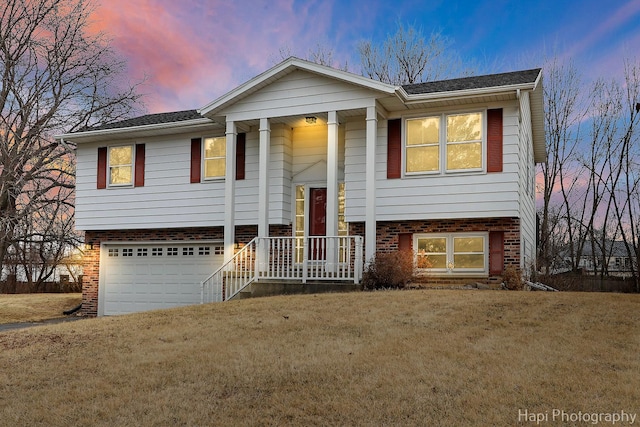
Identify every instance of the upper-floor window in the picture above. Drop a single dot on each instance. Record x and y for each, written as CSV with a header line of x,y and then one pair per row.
x,y
214,158
121,165
448,142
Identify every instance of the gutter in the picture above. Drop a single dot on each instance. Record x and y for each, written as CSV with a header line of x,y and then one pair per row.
x,y
467,93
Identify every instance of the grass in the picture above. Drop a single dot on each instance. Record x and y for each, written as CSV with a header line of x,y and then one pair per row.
x,y
378,358
18,308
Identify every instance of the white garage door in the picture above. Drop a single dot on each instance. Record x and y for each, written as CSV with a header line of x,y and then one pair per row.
x,y
140,277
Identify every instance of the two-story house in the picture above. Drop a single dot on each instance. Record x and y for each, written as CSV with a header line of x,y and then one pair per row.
x,y
304,173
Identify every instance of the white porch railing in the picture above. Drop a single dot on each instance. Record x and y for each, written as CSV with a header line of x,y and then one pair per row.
x,y
286,258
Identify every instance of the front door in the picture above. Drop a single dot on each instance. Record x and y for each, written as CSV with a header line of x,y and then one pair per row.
x,y
317,222
318,212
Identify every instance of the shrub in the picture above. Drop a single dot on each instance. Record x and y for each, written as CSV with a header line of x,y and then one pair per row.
x,y
512,278
389,270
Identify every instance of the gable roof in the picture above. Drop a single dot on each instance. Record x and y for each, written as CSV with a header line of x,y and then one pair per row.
x,y
419,95
282,69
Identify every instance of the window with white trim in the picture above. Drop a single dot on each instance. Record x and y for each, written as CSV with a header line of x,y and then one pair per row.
x,y
214,157
120,165
453,253
444,143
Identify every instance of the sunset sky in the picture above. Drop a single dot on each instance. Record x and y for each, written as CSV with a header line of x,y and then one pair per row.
x,y
193,51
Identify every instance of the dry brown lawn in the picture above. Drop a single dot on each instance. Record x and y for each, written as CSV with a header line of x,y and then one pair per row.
x,y
449,358
35,307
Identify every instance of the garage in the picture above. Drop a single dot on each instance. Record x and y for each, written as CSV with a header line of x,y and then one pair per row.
x,y
149,276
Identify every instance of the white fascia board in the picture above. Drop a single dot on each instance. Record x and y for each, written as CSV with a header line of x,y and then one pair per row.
x,y
457,94
184,125
284,68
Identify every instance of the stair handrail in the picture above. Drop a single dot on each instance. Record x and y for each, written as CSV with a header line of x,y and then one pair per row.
x,y
232,276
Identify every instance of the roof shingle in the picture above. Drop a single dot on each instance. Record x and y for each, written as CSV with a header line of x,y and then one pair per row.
x,y
476,82
151,119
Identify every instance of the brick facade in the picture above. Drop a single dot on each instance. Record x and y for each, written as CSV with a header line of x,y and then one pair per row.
x,y
387,240
93,239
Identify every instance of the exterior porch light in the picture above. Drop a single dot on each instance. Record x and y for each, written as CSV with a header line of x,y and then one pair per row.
x,y
311,120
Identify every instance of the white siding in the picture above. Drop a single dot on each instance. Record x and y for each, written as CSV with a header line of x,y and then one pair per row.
x,y
279,179
526,187
298,93
354,167
474,195
167,199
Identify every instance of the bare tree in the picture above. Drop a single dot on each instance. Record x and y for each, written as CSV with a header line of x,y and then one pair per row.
x,y
625,188
55,76
408,57
321,54
563,114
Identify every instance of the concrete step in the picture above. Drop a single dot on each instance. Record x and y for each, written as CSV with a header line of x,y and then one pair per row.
x,y
284,287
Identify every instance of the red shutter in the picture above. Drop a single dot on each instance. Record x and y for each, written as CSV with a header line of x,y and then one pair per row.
x,y
102,168
494,140
405,242
196,159
139,168
496,252
240,155
394,149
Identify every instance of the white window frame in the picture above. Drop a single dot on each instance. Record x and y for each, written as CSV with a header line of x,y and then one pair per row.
x,y
132,166
205,158
451,270
443,144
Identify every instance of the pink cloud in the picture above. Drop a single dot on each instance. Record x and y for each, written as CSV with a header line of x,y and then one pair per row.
x,y
193,52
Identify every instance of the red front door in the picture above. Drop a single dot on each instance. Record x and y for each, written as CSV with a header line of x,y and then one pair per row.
x,y
318,212
317,223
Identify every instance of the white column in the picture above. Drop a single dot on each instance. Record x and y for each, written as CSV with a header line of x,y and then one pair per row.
x,y
370,185
230,192
332,189
263,178
263,193
332,174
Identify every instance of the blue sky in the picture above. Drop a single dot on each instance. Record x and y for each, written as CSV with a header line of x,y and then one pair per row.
x,y
192,51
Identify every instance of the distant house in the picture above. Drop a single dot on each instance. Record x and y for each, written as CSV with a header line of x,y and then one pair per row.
x,y
302,174
615,262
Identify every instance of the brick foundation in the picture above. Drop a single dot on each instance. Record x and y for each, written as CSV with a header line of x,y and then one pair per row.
x,y
387,240
387,233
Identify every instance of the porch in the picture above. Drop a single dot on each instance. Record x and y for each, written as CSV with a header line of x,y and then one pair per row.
x,y
287,263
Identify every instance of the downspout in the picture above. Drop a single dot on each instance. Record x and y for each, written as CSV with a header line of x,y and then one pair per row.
x,y
69,149
72,310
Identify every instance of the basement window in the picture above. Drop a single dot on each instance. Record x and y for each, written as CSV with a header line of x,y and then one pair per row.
x,y
453,253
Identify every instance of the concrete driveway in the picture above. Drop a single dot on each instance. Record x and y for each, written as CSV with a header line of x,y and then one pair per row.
x,y
14,326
